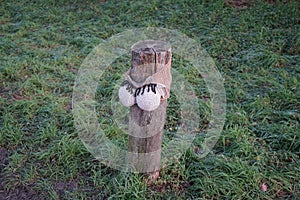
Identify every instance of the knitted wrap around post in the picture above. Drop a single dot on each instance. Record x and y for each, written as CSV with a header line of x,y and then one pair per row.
x,y
148,94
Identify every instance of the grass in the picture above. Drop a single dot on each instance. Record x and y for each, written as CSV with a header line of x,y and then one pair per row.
x,y
255,48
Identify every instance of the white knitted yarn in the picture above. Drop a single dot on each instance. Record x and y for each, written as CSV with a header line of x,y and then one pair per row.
x,y
126,98
146,95
149,100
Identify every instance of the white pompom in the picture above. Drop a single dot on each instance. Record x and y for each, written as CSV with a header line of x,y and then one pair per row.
x,y
126,98
148,100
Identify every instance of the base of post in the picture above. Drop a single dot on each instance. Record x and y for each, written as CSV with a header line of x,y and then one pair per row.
x,y
150,177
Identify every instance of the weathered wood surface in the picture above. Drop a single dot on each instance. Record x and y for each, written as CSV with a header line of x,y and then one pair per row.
x,y
146,128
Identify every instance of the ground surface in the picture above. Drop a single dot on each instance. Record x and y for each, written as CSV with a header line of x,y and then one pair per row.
x,y
255,46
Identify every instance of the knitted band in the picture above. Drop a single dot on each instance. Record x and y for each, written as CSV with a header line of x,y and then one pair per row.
x,y
149,93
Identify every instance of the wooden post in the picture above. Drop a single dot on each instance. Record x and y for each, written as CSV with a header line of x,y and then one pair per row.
x,y
146,127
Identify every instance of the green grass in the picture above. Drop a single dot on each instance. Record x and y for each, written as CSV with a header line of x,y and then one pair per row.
x,y
256,49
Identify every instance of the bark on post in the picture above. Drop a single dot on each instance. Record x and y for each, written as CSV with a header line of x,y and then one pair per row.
x,y
146,127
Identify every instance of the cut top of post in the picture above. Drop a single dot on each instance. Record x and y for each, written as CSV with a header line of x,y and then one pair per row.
x,y
150,57
157,45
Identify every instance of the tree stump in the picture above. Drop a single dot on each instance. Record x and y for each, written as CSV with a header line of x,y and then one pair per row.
x,y
146,127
